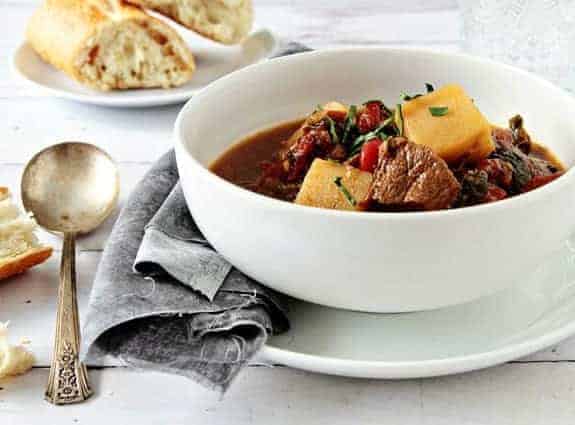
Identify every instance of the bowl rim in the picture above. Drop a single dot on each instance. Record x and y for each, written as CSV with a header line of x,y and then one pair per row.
x,y
519,201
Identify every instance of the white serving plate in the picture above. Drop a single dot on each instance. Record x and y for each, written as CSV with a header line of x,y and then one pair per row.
x,y
212,61
539,311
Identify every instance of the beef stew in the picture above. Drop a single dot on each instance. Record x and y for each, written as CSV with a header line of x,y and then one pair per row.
x,y
432,151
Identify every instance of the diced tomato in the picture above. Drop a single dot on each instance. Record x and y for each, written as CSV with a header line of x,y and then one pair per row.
x,y
494,193
302,156
369,118
365,123
369,155
315,143
374,108
539,181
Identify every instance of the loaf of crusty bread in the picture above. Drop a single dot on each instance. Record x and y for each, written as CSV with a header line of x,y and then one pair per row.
x,y
109,45
225,21
19,247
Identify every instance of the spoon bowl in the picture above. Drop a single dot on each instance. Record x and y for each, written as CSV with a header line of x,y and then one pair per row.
x,y
70,187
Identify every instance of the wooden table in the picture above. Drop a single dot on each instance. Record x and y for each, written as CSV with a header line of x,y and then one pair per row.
x,y
536,390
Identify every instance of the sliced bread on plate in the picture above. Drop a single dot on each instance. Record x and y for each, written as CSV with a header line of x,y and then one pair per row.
x,y
224,21
107,44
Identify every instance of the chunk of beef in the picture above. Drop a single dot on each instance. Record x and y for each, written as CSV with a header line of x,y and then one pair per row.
x,y
521,138
409,176
524,167
499,172
314,143
494,193
539,181
272,182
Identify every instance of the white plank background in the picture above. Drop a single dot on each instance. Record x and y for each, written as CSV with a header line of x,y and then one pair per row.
x,y
536,390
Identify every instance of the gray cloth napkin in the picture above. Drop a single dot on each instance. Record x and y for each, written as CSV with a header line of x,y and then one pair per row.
x,y
164,300
173,244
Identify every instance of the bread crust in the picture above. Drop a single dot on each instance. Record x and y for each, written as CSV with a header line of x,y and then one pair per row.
x,y
4,193
240,18
60,31
20,263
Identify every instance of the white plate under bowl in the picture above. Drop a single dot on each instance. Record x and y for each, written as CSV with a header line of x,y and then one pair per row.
x,y
212,62
537,312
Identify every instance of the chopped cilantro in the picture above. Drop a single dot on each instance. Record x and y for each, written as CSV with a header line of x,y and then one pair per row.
x,y
438,111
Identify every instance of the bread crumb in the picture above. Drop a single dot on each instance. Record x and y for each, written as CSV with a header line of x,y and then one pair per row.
x,y
14,359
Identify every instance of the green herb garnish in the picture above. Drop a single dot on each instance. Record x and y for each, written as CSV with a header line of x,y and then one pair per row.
x,y
383,132
399,119
344,191
521,171
438,111
474,186
388,111
406,97
358,143
332,130
388,121
318,107
349,122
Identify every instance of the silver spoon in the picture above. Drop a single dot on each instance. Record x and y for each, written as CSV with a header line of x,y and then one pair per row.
x,y
70,188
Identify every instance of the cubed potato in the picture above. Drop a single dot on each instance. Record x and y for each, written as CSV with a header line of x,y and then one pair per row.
x,y
319,190
462,132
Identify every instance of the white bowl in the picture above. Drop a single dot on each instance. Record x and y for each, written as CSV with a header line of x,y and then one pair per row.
x,y
377,262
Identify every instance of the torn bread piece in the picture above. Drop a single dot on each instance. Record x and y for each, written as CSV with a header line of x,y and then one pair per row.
x,y
107,45
14,359
19,247
224,21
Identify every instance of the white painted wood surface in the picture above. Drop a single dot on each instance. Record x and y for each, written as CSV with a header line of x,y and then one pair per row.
x,y
515,394
536,390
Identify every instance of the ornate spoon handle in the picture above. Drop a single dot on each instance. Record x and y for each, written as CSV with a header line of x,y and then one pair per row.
x,y
68,381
